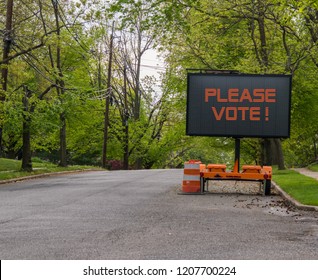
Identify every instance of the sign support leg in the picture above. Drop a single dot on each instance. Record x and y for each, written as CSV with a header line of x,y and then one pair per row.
x,y
237,155
202,183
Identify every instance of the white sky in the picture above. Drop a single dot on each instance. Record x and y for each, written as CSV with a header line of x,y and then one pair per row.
x,y
152,64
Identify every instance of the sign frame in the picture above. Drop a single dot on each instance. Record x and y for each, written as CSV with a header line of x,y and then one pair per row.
x,y
219,77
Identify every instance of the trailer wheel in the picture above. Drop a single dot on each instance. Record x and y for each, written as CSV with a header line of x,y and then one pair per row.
x,y
267,187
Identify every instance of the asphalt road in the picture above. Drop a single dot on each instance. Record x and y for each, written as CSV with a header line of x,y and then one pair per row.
x,y
140,215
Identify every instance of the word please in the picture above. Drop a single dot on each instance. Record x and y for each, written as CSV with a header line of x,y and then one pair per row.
x,y
257,95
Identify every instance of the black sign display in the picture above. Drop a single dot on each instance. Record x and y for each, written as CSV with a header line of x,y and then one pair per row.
x,y
238,105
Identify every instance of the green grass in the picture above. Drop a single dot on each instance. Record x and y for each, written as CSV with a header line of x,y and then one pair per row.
x,y
313,167
9,164
10,169
302,188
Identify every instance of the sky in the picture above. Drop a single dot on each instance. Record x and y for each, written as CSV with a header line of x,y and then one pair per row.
x,y
152,64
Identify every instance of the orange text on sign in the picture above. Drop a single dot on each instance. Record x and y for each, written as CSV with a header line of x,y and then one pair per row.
x,y
257,95
235,113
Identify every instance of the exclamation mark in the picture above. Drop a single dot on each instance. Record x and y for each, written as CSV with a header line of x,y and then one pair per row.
x,y
266,114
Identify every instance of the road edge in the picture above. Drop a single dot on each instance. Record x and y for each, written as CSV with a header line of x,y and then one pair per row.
x,y
43,175
293,201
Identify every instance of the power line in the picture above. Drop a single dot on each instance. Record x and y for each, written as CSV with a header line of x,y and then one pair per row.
x,y
153,67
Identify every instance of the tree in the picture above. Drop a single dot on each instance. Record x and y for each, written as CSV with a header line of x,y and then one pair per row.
x,y
135,41
7,41
40,78
233,35
54,72
15,47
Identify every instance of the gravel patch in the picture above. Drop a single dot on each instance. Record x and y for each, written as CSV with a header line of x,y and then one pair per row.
x,y
239,187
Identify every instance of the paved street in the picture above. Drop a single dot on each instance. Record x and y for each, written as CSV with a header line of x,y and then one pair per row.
x,y
140,215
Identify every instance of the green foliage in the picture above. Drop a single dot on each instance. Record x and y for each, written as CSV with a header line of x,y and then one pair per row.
x,y
301,148
226,35
190,34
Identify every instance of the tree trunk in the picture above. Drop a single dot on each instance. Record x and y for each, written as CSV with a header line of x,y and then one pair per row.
x,y
125,123
126,146
63,151
279,154
107,100
267,152
61,86
138,163
7,41
272,147
26,150
26,134
262,32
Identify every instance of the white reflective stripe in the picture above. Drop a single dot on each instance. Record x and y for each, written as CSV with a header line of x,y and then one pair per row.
x,y
191,177
192,166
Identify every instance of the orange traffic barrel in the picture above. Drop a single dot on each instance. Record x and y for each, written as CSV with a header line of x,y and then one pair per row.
x,y
191,176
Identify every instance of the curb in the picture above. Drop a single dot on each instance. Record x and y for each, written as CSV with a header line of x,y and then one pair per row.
x,y
292,201
13,180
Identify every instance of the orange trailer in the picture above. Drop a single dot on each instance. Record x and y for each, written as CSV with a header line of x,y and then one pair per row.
x,y
262,174
197,174
248,173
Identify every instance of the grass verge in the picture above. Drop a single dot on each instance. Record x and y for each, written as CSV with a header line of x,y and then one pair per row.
x,y
11,169
302,188
313,167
